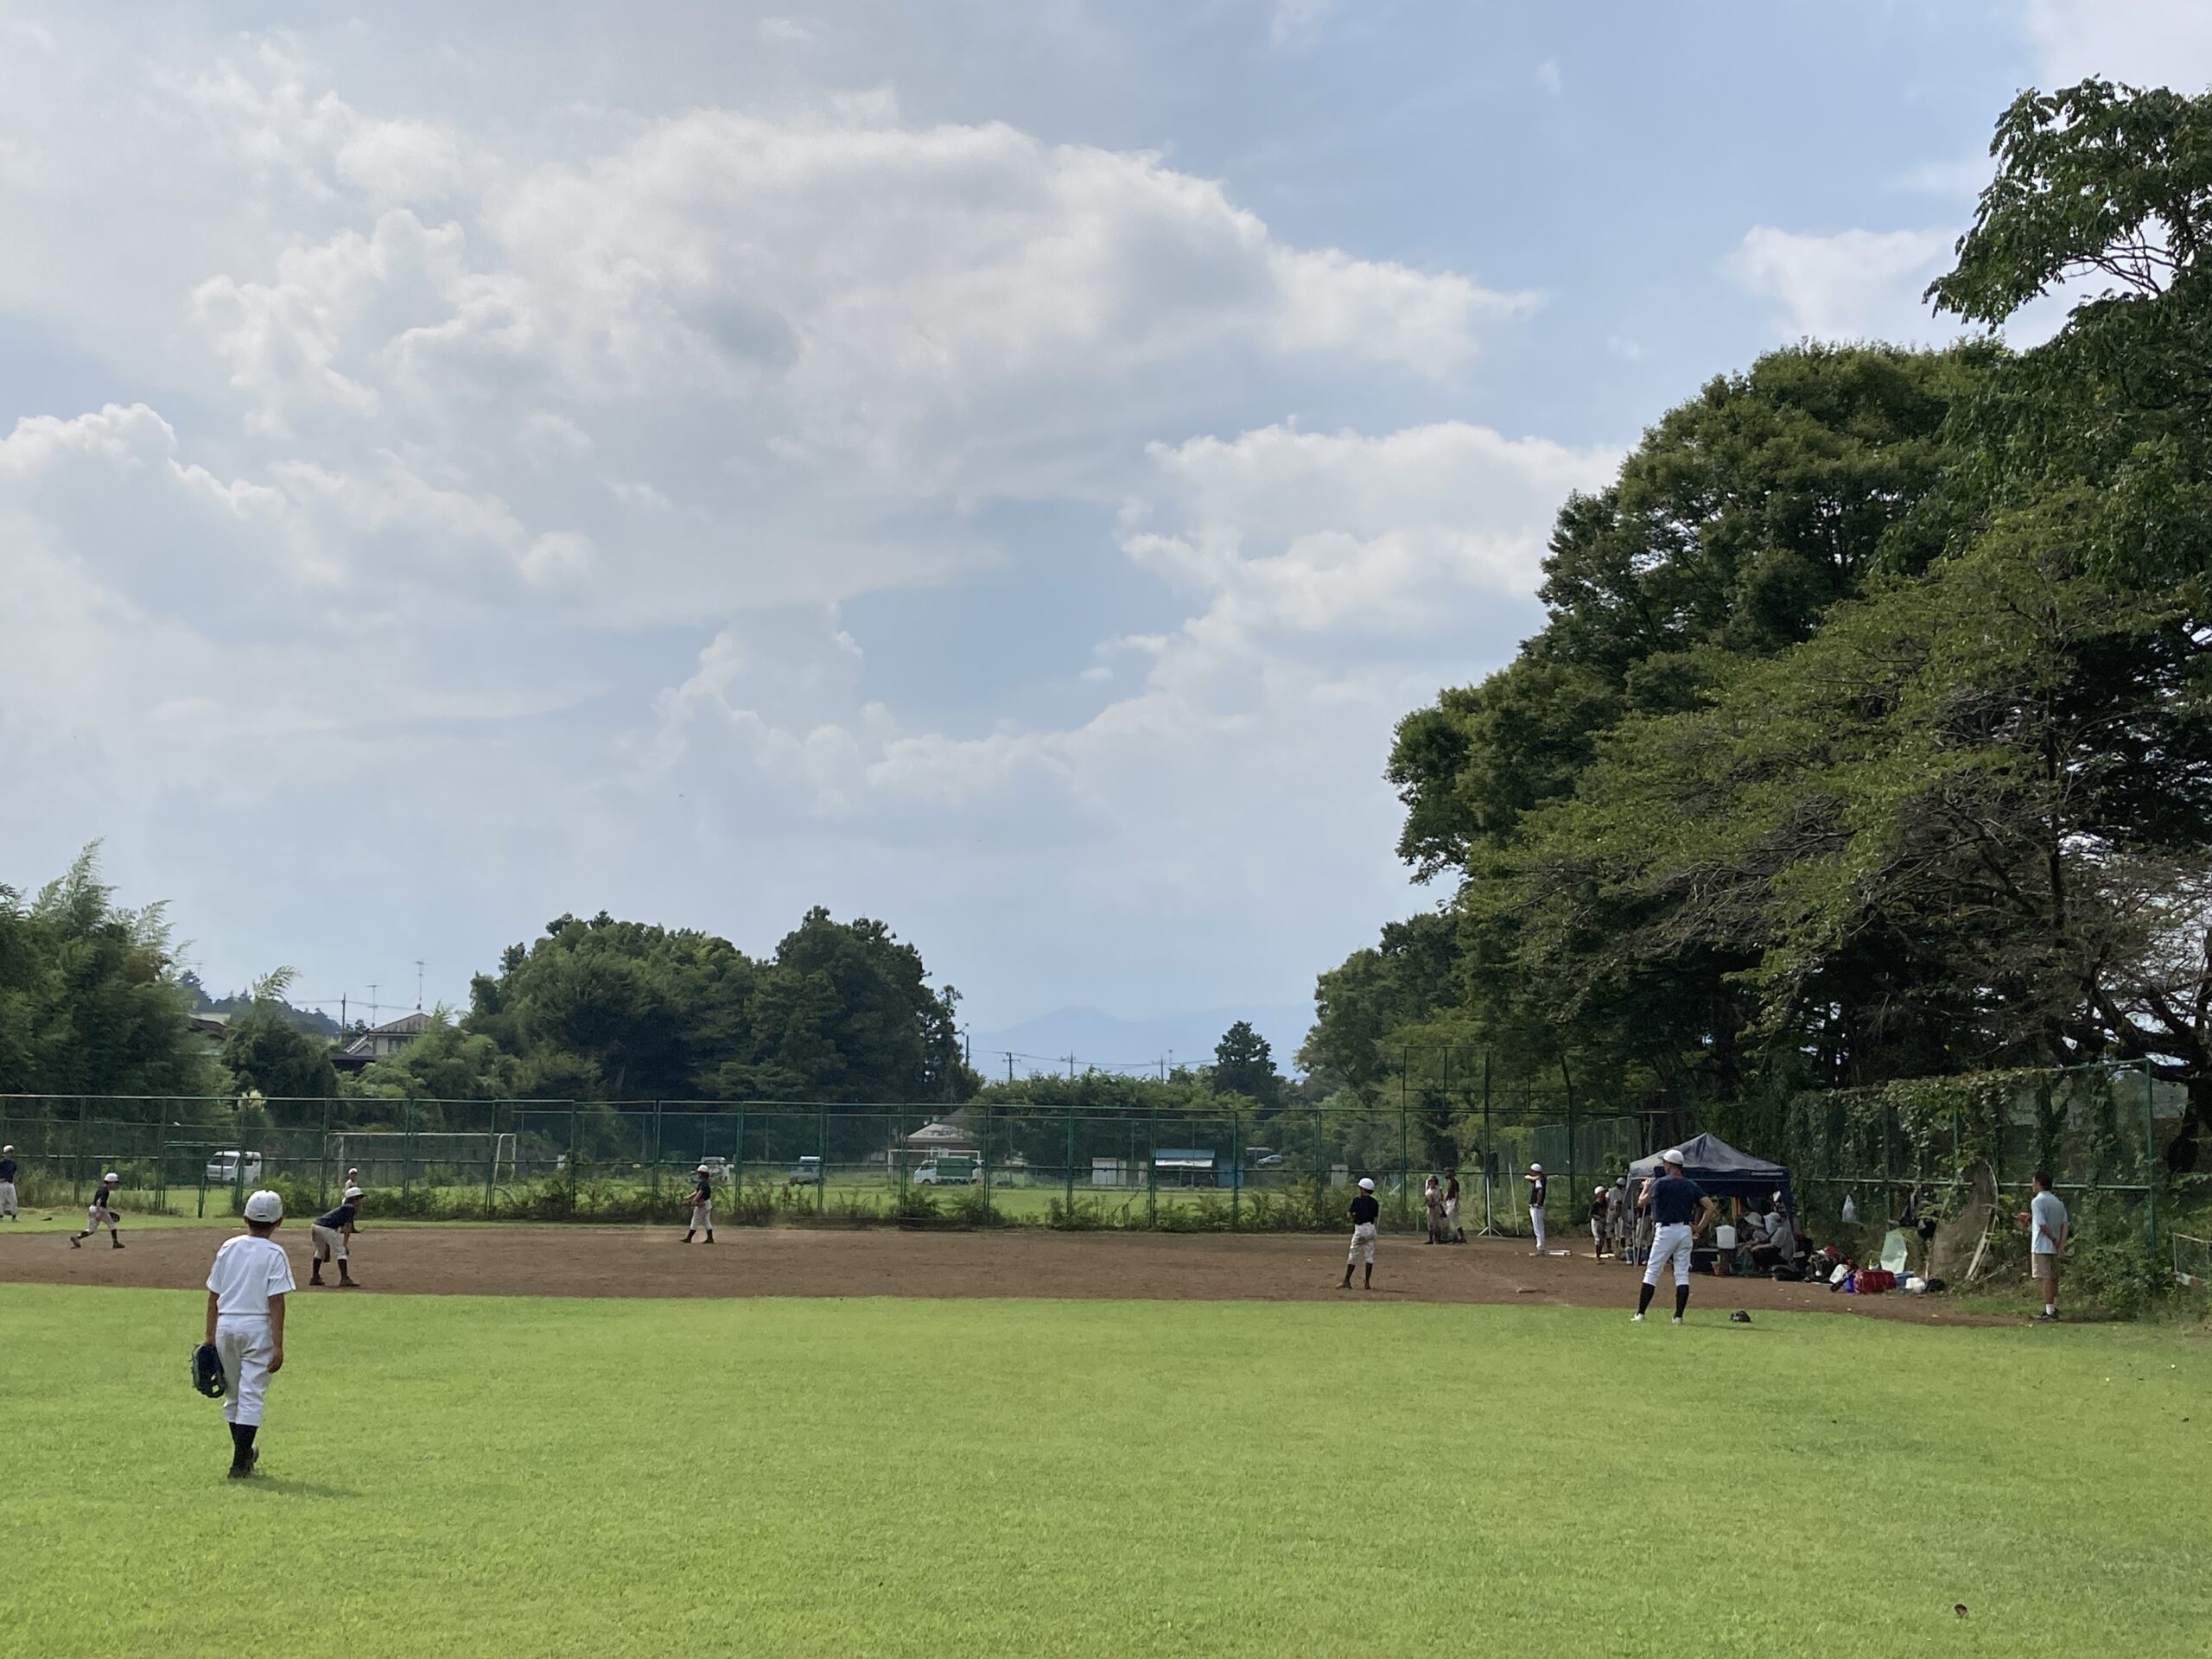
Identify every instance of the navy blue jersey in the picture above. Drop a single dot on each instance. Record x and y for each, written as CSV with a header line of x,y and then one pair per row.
x,y
703,1193
1675,1199
340,1218
1364,1209
7,1169
1536,1193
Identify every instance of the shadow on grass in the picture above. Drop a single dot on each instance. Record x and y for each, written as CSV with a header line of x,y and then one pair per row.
x,y
289,1488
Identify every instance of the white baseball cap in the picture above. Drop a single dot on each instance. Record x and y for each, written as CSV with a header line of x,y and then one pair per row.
x,y
701,1170
1601,1192
112,1178
1536,1169
1366,1184
1671,1155
352,1191
264,1206
7,1149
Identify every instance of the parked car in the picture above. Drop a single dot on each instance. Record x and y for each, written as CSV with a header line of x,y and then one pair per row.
x,y
808,1173
223,1168
947,1169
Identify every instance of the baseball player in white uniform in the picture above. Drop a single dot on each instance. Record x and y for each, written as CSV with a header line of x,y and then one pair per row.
x,y
8,1184
100,1213
1679,1212
246,1289
702,1205
1536,1184
1364,1213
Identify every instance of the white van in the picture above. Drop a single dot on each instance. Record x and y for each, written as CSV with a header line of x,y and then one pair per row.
x,y
223,1168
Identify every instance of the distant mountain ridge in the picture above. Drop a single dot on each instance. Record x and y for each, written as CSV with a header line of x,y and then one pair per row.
x,y
1110,1043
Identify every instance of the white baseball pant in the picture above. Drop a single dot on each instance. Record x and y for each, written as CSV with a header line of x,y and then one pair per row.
x,y
1536,1221
7,1198
1362,1238
245,1347
1452,1214
329,1242
702,1218
1670,1243
97,1218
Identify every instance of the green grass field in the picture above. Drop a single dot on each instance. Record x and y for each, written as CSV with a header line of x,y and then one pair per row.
x,y
449,1475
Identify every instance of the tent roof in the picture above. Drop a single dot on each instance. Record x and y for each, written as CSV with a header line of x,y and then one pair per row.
x,y
1706,1159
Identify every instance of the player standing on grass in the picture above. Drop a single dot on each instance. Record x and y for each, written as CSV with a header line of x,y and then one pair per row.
x,y
702,1205
1536,1179
2046,1221
1679,1210
8,1184
327,1234
246,1322
1364,1213
101,1212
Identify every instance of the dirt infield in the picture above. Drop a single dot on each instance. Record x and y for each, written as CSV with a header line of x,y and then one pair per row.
x,y
516,1261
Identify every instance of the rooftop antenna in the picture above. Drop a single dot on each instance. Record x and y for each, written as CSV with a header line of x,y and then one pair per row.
x,y
418,984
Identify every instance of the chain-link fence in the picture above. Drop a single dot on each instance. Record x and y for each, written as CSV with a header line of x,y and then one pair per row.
x,y
2098,1131
559,1160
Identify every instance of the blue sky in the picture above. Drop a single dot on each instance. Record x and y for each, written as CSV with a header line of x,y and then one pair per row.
x,y
1000,469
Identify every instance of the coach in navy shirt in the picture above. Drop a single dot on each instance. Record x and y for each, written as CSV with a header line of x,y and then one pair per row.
x,y
1680,1211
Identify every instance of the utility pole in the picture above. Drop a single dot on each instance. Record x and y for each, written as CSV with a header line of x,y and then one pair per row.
x,y
418,984
1009,1065
372,1001
1071,1068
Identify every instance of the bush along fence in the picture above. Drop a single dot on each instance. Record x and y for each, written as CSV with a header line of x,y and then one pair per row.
x,y
1291,1169
1911,1149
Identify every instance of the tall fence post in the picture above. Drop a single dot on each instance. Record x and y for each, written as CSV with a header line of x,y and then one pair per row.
x,y
739,1176
652,1176
572,1160
492,1159
237,1158
2150,1159
1573,1181
322,1180
986,1162
822,1160
1235,1166
77,1184
1152,1169
1069,1218
1490,1151
161,1160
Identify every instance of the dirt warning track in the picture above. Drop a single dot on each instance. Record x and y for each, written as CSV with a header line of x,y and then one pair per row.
x,y
523,1260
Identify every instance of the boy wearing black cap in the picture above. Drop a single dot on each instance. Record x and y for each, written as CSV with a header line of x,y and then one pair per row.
x,y
1364,1213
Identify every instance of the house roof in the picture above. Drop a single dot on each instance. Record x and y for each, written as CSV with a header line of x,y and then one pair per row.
x,y
411,1024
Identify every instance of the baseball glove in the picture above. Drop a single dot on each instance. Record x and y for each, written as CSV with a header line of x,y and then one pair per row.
x,y
207,1370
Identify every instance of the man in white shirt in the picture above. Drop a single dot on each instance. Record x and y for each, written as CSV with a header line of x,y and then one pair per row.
x,y
246,1289
2046,1222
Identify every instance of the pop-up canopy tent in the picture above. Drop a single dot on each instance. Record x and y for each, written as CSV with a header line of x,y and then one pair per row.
x,y
1723,1172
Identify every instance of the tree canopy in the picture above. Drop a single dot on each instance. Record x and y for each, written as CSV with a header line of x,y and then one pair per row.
x,y
1869,733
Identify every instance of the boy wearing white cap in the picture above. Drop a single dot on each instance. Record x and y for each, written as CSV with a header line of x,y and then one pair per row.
x,y
246,1289
100,1213
1363,1213
702,1205
1536,1179
1679,1210
326,1235
8,1184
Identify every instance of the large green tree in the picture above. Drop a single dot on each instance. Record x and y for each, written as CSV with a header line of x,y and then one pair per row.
x,y
624,1010
1867,735
89,999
